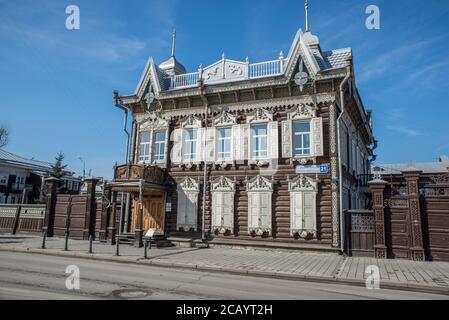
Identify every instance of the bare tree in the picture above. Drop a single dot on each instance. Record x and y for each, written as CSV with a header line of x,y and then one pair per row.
x,y
3,137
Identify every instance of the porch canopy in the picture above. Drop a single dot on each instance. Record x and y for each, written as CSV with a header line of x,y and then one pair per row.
x,y
137,179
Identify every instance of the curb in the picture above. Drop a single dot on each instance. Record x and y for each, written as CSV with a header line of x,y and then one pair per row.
x,y
255,273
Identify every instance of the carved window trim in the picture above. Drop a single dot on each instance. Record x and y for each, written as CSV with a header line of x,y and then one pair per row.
x,y
188,189
301,186
301,113
263,189
154,123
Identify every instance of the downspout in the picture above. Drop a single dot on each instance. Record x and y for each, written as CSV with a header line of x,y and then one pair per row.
x,y
117,103
340,166
206,107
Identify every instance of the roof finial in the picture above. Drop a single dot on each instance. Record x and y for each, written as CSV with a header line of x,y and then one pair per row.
x,y
173,44
307,16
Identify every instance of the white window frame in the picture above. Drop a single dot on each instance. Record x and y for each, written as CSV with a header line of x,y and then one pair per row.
x,y
3,180
302,135
152,124
301,187
156,154
189,155
145,146
297,114
254,137
259,188
221,155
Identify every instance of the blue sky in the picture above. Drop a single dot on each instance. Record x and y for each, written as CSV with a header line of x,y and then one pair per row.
x,y
56,85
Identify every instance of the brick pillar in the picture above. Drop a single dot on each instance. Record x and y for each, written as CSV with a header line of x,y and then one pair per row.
x,y
112,219
49,219
377,187
89,222
411,176
104,213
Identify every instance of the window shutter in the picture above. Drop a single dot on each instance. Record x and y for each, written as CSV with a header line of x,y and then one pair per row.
x,y
317,136
295,207
287,143
166,146
181,211
273,140
150,151
217,207
191,208
211,142
245,138
309,211
265,210
200,145
176,155
228,209
253,206
236,155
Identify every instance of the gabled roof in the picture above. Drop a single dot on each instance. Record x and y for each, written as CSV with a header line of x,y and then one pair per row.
x,y
305,47
10,158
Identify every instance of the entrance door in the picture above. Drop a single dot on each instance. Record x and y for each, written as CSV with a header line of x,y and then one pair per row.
x,y
152,214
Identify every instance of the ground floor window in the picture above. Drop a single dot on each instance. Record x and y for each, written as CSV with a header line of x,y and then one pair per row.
x,y
187,209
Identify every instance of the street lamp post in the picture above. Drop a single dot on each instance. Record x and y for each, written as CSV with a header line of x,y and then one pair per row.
x,y
84,166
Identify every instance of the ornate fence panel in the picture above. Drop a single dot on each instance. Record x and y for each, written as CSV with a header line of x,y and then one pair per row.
x,y
434,198
27,218
397,222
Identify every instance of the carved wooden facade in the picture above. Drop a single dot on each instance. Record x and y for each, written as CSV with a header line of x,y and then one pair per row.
x,y
246,129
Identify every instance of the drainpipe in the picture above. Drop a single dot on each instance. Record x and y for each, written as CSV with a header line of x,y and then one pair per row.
x,y
340,173
206,106
117,103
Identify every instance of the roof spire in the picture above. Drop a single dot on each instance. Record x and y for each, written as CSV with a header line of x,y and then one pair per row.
x,y
173,44
307,16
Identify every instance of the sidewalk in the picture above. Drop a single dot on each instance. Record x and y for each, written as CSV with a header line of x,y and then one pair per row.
x,y
394,274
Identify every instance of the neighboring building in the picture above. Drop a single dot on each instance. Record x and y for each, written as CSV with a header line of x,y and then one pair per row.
x,y
18,173
439,166
253,124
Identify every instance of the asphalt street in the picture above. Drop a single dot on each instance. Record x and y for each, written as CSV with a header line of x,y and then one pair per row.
x,y
35,276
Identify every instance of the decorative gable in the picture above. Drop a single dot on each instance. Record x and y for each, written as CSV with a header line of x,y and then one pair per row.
x,y
225,70
301,112
259,115
302,183
153,122
189,184
223,184
259,183
224,118
191,122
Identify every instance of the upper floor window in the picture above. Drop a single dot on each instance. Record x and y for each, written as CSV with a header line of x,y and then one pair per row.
x,y
159,145
259,136
301,138
224,143
3,180
190,144
144,148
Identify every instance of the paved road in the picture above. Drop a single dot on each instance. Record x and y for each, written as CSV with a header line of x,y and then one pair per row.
x,y
34,276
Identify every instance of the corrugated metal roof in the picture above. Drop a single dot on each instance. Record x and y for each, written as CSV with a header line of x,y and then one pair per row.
x,y
10,158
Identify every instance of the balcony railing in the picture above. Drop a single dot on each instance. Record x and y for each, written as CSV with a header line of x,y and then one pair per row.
x,y
252,71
